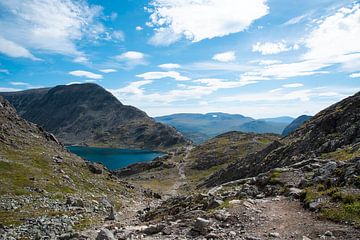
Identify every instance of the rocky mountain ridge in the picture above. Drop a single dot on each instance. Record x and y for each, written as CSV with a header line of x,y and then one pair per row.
x,y
335,127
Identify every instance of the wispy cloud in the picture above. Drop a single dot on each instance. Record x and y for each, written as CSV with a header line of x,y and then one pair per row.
x,y
109,70
80,73
131,59
159,75
169,66
14,50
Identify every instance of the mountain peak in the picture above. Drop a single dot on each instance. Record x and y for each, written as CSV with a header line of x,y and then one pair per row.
x,y
88,114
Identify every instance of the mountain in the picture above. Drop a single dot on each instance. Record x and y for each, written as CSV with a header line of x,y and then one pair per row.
x,y
295,124
201,127
333,129
86,114
261,126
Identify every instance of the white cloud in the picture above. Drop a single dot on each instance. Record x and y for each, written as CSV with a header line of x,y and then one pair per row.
x,y
19,83
117,35
164,37
279,95
108,70
12,49
49,26
355,75
80,73
159,75
335,37
334,41
134,94
81,59
225,57
169,66
139,28
131,59
202,19
293,85
133,88
131,56
269,48
4,71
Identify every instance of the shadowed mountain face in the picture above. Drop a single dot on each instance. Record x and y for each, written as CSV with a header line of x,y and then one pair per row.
x,y
295,125
331,132
86,114
201,127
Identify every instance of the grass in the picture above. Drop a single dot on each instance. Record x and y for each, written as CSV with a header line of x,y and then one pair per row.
x,y
274,177
338,206
343,154
349,213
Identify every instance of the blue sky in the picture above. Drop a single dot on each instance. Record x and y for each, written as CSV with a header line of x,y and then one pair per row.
x,y
258,58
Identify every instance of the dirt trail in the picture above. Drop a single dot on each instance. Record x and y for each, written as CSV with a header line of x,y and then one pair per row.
x,y
289,220
181,171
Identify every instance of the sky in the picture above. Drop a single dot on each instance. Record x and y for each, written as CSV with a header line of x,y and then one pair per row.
x,y
260,58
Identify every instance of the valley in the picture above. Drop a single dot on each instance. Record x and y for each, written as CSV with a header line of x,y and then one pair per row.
x,y
234,186
179,120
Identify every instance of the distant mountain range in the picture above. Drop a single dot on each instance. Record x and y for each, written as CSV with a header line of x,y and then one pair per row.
x,y
86,114
201,127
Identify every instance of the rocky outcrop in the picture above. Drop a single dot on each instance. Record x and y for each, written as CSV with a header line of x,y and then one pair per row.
x,y
158,163
295,124
86,114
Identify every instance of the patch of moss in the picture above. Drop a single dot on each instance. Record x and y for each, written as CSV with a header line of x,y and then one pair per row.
x,y
274,177
225,204
343,154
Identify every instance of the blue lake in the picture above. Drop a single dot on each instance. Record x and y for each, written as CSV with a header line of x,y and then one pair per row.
x,y
114,158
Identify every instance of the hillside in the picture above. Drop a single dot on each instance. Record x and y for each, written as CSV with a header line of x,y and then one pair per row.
x,y
45,190
295,124
86,114
334,128
202,127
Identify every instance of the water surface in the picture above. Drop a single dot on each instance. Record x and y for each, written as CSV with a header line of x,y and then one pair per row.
x,y
112,158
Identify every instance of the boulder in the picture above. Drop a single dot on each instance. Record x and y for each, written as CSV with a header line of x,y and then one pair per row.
x,y
95,168
201,226
105,234
153,229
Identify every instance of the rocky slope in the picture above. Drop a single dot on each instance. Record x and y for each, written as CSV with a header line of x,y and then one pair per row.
x,y
86,114
47,191
295,125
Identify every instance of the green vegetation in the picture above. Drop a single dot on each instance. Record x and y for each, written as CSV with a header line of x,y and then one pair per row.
x,y
343,154
337,205
274,177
